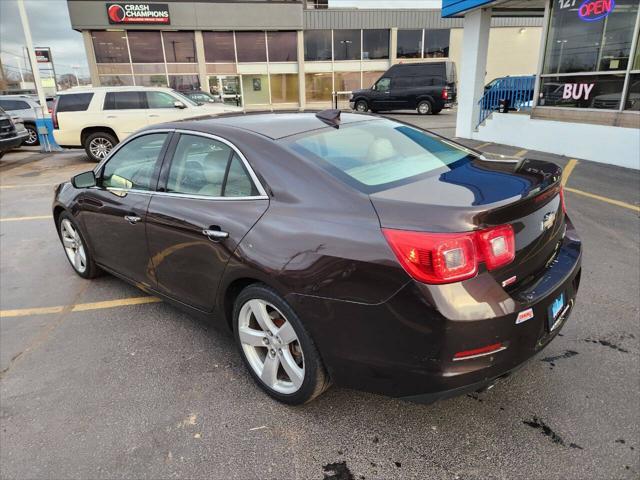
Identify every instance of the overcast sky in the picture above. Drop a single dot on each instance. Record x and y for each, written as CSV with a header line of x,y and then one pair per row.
x,y
50,27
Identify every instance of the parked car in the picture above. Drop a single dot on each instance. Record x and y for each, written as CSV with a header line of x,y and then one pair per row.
x,y
12,134
356,250
426,87
98,118
27,107
199,96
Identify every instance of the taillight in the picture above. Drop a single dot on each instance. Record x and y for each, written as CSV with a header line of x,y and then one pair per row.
x,y
437,258
497,246
445,94
562,202
54,114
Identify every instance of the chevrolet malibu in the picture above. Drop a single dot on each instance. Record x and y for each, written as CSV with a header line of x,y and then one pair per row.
x,y
346,249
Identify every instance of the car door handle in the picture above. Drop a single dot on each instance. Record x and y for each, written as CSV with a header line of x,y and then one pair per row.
x,y
215,235
132,219
154,115
112,116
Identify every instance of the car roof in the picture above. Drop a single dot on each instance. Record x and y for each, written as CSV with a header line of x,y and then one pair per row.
x,y
112,89
272,125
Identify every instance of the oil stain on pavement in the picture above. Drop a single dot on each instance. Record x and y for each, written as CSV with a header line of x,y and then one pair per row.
x,y
337,471
546,430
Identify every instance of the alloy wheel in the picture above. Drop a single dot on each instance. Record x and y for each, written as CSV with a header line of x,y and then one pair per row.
x,y
361,106
423,108
73,246
271,346
32,139
100,147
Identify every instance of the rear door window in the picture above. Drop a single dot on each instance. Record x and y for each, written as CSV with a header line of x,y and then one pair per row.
x,y
125,101
206,167
74,102
10,105
376,155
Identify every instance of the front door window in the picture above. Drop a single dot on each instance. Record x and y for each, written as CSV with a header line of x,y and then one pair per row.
x,y
132,166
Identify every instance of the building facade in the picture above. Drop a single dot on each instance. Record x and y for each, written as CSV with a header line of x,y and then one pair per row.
x,y
278,54
587,94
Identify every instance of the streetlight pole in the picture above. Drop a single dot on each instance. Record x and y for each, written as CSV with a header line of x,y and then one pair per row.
x,y
32,58
47,143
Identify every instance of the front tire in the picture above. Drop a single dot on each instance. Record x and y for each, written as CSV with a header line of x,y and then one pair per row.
x,y
362,106
75,247
32,140
276,348
424,107
98,145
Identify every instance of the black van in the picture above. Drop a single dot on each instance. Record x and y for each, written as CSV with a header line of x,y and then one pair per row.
x,y
427,87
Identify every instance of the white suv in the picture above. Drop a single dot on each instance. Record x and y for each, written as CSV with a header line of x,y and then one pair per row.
x,y
98,118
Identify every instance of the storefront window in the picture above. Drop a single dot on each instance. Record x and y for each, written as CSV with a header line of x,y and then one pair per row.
x,y
110,47
184,82
346,81
436,43
589,91
317,45
409,44
151,80
633,97
179,47
218,47
284,88
582,42
318,87
116,80
251,47
145,47
283,46
346,44
255,89
375,44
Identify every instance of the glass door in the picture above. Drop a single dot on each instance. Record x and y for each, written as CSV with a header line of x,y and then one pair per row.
x,y
228,88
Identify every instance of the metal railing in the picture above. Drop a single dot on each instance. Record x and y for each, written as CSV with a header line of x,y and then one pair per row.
x,y
516,91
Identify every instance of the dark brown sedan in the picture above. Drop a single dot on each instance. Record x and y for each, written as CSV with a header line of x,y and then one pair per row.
x,y
357,250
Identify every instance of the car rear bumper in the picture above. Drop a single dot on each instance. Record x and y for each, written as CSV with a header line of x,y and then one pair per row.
x,y
405,347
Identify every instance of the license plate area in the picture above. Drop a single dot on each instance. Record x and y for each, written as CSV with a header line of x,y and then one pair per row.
x,y
556,311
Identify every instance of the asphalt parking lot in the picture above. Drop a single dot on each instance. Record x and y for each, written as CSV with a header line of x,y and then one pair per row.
x,y
99,381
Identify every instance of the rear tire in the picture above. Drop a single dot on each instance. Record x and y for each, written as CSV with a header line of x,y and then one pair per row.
x,y
424,107
362,106
276,348
32,140
98,145
75,247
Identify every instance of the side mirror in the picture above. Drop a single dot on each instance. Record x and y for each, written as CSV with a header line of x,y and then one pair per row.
x,y
84,180
179,104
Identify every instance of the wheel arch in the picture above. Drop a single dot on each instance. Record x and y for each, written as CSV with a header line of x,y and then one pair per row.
x,y
89,130
57,211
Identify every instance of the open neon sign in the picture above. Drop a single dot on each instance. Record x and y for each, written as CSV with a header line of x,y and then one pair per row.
x,y
594,10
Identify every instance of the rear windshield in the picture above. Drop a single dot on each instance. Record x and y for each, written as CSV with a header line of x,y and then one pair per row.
x,y
380,154
74,102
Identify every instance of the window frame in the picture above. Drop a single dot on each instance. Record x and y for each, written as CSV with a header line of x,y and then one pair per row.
x,y
168,161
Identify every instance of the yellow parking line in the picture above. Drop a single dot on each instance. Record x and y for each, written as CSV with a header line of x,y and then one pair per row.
x,y
618,203
19,219
566,173
521,153
80,307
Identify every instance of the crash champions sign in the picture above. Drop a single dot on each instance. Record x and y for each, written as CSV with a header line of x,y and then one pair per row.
x,y
138,13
